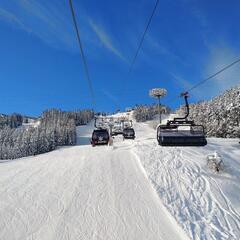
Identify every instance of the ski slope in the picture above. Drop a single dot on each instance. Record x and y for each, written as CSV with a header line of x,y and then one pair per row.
x,y
82,192
133,190
205,203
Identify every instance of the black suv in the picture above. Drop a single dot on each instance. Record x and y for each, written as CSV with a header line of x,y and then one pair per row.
x,y
100,137
128,133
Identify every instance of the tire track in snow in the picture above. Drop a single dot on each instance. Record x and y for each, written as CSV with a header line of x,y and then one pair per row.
x,y
224,206
186,193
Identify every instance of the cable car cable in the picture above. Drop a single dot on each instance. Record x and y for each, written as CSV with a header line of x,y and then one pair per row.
x,y
214,75
206,79
82,52
143,36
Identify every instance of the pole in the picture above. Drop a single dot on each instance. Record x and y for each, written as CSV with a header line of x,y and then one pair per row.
x,y
159,111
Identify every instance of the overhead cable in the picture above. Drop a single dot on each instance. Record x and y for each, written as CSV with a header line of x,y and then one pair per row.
x,y
82,52
206,79
214,75
143,36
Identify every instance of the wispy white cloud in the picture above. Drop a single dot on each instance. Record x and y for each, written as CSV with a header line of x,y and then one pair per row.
x,y
48,22
184,85
201,17
36,9
181,82
159,47
52,23
219,57
220,53
111,97
12,18
162,49
105,39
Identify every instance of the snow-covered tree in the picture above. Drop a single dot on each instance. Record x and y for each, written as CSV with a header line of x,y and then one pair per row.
x,y
56,128
144,113
220,116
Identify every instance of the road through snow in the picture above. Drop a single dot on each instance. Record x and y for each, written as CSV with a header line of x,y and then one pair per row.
x,y
82,192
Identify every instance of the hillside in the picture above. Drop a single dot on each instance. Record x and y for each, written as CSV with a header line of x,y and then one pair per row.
x,y
22,136
144,113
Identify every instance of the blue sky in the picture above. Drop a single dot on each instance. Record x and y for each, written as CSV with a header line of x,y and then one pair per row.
x,y
40,65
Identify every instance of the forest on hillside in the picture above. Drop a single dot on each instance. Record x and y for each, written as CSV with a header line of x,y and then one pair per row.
x,y
219,116
144,113
54,128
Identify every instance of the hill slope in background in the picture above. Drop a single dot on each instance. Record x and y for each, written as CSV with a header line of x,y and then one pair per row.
x,y
54,128
144,113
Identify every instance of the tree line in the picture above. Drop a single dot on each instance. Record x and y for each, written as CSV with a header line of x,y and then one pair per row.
x,y
219,116
55,128
144,113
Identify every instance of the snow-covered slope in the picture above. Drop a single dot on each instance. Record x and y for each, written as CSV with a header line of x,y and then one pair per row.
x,y
205,203
32,123
133,190
82,193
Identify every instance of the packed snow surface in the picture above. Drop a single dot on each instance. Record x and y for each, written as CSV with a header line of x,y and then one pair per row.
x,y
205,203
82,192
132,190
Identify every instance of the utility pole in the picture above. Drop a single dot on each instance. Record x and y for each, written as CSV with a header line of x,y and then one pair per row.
x,y
158,93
